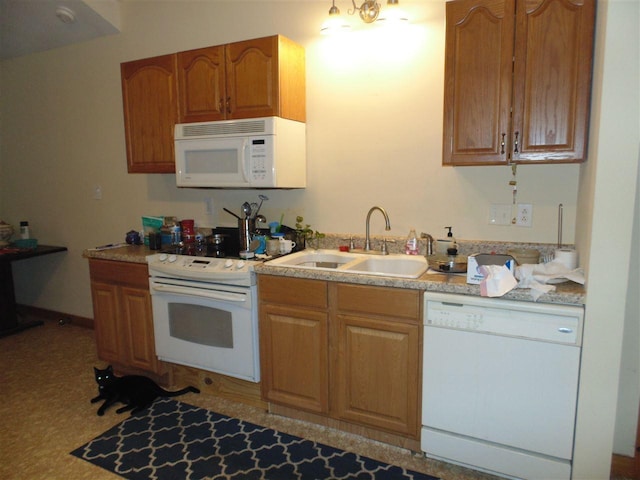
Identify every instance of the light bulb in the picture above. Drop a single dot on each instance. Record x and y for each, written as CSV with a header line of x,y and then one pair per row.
x,y
392,14
335,23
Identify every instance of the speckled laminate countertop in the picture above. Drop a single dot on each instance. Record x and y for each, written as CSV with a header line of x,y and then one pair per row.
x,y
565,293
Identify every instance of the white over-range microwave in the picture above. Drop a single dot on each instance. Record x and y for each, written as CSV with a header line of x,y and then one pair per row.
x,y
267,152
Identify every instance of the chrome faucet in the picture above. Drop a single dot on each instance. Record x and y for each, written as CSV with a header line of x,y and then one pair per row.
x,y
367,241
429,239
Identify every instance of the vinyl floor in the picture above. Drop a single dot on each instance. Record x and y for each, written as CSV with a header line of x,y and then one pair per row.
x,y
46,383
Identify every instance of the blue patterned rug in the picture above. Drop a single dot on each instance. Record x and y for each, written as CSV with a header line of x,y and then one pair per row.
x,y
174,440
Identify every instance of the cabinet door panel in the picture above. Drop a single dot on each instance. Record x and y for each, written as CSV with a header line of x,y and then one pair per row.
x,y
137,316
252,78
201,85
106,315
150,113
478,66
374,388
394,302
552,72
294,346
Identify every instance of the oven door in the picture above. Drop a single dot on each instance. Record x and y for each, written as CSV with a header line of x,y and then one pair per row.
x,y
210,327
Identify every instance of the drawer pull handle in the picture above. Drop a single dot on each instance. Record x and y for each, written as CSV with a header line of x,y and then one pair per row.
x,y
565,330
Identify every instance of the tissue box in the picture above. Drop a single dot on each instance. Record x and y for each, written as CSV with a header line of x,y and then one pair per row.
x,y
478,259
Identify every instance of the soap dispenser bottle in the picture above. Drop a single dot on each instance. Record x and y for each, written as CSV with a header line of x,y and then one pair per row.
x,y
444,244
412,246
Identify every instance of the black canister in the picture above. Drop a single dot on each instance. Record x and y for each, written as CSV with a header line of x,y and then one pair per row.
x,y
155,240
215,245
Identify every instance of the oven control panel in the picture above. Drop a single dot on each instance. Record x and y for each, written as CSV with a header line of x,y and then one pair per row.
x,y
211,269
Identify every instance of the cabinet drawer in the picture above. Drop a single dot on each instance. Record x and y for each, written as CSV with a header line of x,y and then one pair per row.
x,y
293,291
392,302
120,273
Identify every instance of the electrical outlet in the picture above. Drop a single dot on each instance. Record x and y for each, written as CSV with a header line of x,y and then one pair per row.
x,y
500,214
97,192
524,217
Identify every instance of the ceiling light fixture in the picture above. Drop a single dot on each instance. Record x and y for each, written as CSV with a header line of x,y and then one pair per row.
x,y
369,12
393,14
335,23
65,15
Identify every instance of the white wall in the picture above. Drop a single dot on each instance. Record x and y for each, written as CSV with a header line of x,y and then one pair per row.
x,y
607,208
374,137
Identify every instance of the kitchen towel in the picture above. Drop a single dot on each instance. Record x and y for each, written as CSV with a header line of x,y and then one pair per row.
x,y
567,257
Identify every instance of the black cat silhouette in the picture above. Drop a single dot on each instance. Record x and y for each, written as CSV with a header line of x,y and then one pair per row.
x,y
135,391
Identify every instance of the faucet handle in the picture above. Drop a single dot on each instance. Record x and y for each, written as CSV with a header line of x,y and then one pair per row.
x,y
351,243
384,249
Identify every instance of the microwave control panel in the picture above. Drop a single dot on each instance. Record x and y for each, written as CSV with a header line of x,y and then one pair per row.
x,y
259,159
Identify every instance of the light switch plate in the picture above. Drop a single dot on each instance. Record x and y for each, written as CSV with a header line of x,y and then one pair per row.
x,y
500,214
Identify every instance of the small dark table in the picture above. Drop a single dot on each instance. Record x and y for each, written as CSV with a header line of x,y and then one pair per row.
x,y
9,322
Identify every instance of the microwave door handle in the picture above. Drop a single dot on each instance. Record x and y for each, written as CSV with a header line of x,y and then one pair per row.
x,y
213,294
246,167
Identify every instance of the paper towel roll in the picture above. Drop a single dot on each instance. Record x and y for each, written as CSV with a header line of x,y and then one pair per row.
x,y
567,257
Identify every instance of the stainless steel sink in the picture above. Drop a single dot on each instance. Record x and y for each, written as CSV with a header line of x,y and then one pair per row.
x,y
395,265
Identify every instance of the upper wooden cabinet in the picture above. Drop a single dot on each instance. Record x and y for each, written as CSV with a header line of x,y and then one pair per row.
x,y
517,81
254,78
150,113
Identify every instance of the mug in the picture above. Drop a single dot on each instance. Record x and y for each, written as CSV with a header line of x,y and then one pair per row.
x,y
273,247
286,245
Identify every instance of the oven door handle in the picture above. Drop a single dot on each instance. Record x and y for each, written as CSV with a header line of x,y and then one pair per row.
x,y
217,295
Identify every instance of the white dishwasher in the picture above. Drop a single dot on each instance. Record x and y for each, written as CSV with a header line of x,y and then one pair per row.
x,y
500,384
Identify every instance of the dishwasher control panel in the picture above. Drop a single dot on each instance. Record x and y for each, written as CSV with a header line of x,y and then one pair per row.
x,y
550,323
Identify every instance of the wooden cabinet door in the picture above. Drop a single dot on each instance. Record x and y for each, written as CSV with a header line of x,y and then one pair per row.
x,y
294,344
106,321
202,85
376,357
517,81
552,79
295,366
477,92
123,315
137,326
150,113
252,78
376,374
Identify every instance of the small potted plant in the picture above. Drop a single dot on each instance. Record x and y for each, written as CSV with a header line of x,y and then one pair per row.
x,y
304,232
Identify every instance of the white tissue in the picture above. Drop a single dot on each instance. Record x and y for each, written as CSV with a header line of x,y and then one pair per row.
x,y
537,277
497,281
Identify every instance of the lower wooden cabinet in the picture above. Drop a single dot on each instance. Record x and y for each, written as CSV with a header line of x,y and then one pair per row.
x,y
123,319
347,352
294,348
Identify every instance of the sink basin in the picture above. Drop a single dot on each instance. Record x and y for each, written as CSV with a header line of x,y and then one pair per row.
x,y
315,259
404,266
398,265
